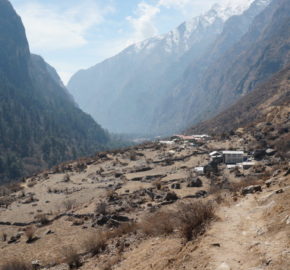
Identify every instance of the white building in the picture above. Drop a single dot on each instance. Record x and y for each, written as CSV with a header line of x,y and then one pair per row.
x,y
233,157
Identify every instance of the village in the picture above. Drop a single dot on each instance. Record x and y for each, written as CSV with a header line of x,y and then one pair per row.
x,y
119,192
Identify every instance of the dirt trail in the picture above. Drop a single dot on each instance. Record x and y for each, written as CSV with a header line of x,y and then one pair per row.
x,y
239,240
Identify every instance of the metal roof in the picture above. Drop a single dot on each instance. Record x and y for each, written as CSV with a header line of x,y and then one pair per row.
x,y
233,152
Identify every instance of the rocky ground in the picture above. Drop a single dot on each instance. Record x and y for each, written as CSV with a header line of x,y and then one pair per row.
x,y
129,209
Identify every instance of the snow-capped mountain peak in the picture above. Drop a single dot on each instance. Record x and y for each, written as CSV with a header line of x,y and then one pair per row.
x,y
181,39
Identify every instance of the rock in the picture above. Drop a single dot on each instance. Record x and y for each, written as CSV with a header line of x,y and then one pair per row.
x,y
269,182
120,218
35,264
14,238
102,220
195,183
270,152
48,232
224,266
276,173
200,193
287,172
279,191
259,154
176,186
251,189
136,179
170,196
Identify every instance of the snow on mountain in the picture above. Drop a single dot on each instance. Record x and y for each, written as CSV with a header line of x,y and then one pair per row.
x,y
181,38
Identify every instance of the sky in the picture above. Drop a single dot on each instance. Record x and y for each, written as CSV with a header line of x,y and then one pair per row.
x,y
76,34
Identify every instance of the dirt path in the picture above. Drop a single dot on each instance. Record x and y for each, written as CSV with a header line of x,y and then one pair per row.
x,y
239,240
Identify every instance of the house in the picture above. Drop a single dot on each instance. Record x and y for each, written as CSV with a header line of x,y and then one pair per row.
x,y
199,170
217,157
233,157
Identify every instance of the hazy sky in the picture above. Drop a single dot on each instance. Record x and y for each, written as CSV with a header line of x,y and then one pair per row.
x,y
76,34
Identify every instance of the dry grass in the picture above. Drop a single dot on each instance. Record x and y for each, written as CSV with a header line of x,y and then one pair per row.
x,y
159,223
16,264
42,219
71,257
30,233
193,218
96,243
111,262
69,204
236,187
190,219
123,229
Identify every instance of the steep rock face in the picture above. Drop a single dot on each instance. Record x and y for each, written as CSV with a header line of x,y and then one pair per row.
x,y
124,91
261,52
40,125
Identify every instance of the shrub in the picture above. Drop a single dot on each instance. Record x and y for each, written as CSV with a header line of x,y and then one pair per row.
x,y
160,223
193,218
102,208
69,204
157,184
96,243
237,186
71,257
42,219
66,178
123,229
29,233
16,264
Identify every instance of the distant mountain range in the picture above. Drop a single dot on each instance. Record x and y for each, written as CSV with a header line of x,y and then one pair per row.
x,y
166,83
261,52
40,124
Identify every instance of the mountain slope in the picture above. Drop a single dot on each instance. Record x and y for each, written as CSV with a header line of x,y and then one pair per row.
x,y
124,91
254,107
40,125
261,52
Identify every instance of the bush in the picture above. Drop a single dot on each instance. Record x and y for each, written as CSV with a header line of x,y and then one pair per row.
x,y
102,208
71,257
160,223
16,264
96,243
69,204
193,218
42,219
29,233
123,229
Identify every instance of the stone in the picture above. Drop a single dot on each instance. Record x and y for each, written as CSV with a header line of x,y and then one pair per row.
x,y
276,173
269,183
120,218
35,264
270,152
102,220
171,196
224,266
251,189
195,183
176,186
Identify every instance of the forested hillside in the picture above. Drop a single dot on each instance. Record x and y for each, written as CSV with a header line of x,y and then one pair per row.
x,y
40,124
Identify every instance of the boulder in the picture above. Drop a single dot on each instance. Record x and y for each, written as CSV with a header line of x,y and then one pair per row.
x,y
224,266
194,183
176,186
259,154
170,196
251,189
270,152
